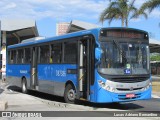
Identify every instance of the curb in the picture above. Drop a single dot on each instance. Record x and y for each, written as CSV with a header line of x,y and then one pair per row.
x,y
155,96
3,105
77,107
66,105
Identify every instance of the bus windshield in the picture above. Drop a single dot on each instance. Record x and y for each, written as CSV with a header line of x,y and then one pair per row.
x,y
120,58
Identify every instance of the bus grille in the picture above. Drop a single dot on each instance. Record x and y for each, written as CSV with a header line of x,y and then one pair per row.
x,y
127,89
130,80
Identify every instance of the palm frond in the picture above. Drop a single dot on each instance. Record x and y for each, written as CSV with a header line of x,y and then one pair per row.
x,y
103,14
132,3
150,5
122,10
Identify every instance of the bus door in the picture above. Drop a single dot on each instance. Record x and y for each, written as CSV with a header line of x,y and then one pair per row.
x,y
34,59
85,64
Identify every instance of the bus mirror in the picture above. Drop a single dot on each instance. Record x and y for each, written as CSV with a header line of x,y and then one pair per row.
x,y
98,53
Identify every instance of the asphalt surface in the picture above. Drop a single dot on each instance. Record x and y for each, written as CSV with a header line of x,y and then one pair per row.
x,y
1,90
37,101
144,105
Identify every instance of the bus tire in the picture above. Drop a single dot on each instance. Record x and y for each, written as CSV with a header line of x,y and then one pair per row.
x,y
24,85
70,94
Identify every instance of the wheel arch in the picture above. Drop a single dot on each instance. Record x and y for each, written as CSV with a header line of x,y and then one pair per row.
x,y
71,83
23,77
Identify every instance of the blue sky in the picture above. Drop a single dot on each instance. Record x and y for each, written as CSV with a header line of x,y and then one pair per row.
x,y
48,12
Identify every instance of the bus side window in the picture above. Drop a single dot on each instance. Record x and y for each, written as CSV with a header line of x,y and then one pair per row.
x,y
56,53
44,54
13,57
70,53
27,58
20,56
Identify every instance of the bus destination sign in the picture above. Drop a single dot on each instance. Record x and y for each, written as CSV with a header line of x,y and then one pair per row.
x,y
124,34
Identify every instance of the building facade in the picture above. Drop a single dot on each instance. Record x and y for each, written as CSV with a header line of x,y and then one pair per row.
x,y
61,28
13,32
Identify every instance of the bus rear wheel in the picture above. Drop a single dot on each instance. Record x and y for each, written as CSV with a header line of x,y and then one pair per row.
x,y
70,94
24,85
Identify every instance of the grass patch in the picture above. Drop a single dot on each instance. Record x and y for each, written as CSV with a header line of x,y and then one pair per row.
x,y
156,86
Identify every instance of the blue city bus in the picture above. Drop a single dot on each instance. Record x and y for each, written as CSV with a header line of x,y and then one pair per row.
x,y
101,65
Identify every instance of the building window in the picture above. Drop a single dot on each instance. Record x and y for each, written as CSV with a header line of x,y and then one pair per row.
x,y
44,54
70,53
56,53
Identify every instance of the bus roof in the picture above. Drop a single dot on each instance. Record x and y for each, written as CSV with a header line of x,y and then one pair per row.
x,y
69,35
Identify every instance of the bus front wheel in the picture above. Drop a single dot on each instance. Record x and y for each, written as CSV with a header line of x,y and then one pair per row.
x,y
24,85
69,94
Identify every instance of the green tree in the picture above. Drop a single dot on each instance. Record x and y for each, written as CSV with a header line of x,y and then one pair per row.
x,y
150,5
121,9
155,58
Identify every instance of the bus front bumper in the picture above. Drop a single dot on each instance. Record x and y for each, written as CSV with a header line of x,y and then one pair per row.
x,y
104,96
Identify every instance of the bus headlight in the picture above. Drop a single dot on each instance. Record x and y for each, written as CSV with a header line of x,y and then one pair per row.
x,y
105,86
101,83
113,90
147,87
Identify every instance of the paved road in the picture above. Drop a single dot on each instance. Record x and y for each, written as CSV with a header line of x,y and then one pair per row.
x,y
145,105
37,101
1,90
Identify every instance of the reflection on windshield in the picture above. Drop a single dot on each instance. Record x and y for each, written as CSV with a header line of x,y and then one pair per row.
x,y
124,58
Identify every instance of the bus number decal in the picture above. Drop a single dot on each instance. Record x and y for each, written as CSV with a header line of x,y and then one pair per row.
x,y
60,73
10,71
23,71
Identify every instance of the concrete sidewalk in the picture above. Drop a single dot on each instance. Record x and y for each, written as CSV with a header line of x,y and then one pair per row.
x,y
18,101
23,102
155,78
156,94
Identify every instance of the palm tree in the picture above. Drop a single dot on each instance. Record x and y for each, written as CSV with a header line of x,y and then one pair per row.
x,y
150,5
121,9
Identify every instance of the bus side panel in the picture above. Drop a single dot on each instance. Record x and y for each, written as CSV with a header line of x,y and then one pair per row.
x,y
53,77
16,72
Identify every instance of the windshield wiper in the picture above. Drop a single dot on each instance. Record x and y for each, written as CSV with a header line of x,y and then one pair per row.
x,y
122,52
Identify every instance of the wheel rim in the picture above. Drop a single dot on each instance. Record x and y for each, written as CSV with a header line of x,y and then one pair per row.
x,y
24,86
71,95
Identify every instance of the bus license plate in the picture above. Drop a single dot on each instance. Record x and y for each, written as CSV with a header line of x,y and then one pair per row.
x,y
130,95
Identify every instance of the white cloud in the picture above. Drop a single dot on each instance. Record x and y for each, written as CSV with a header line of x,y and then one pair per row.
x,y
9,6
59,9
155,13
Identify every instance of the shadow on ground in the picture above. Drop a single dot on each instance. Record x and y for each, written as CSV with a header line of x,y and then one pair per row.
x,y
120,106
1,90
